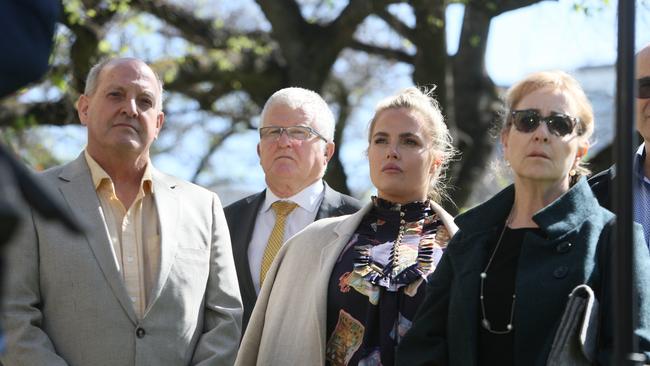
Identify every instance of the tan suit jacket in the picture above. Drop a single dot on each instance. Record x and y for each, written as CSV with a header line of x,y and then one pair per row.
x,y
66,304
288,323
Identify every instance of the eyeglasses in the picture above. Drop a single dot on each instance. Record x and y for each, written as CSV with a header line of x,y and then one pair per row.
x,y
300,133
528,120
643,88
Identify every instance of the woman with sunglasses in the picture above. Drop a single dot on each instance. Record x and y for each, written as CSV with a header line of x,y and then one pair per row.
x,y
345,290
499,292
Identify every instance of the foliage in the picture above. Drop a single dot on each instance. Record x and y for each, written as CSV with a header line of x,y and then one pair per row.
x,y
221,60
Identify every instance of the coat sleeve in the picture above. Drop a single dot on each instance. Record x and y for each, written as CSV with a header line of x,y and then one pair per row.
x,y
26,341
223,308
426,342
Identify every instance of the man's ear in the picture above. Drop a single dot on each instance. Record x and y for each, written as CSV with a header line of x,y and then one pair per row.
x,y
258,151
82,109
160,121
329,151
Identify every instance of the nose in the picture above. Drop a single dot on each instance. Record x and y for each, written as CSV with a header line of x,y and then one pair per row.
x,y
392,152
284,140
130,108
541,133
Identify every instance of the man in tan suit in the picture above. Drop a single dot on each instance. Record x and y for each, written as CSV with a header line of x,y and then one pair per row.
x,y
152,281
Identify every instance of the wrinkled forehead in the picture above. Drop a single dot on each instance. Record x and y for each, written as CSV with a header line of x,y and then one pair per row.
x,y
285,115
129,72
643,63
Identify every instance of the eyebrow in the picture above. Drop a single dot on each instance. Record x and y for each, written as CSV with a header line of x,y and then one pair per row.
x,y
401,135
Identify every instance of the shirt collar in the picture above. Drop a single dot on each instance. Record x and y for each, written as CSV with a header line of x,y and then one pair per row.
x,y
99,175
308,199
639,163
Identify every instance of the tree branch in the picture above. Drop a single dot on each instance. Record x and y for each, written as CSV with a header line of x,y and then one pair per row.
x,y
387,53
215,142
400,27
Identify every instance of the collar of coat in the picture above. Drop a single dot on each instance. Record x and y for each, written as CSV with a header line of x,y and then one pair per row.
x,y
556,219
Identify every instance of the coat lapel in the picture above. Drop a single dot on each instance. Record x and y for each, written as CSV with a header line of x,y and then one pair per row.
x,y
471,260
168,208
328,258
241,241
78,191
330,206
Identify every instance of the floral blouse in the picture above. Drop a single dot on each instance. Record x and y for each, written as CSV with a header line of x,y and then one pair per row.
x,y
378,280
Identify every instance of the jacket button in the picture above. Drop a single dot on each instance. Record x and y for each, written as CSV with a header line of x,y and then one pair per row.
x,y
563,247
561,272
140,332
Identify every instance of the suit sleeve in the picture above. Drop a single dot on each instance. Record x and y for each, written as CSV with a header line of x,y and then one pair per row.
x,y
223,307
27,343
426,342
640,284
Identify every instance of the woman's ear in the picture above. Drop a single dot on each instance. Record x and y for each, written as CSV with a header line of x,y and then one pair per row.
x,y
436,162
504,142
582,150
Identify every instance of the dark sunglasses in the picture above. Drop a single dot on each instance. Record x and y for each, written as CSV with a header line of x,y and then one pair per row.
x,y
528,120
643,88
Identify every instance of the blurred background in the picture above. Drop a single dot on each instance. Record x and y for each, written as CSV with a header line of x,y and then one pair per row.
x,y
221,59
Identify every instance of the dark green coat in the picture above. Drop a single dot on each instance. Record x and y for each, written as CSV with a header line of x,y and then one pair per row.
x,y
574,250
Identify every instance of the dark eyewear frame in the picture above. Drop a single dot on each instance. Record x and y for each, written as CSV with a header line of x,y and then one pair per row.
x,y
643,88
300,133
528,120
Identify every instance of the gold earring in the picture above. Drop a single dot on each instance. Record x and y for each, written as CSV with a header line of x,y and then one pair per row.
x,y
572,172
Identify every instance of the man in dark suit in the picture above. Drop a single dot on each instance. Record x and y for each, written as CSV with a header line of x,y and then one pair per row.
x,y
26,41
296,143
601,183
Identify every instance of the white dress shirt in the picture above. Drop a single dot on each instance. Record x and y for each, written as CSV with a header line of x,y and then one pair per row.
x,y
308,201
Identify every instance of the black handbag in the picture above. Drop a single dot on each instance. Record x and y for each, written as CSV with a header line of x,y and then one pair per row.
x,y
577,335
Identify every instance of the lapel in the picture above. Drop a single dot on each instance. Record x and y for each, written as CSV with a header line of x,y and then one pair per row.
x,y
328,257
76,186
241,241
169,215
470,257
477,227
330,206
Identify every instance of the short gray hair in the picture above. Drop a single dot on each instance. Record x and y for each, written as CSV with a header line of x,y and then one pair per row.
x,y
308,101
93,76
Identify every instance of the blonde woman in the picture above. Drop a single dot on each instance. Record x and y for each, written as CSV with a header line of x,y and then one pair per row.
x,y
345,290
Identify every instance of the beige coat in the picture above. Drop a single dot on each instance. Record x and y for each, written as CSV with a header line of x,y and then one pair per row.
x,y
288,324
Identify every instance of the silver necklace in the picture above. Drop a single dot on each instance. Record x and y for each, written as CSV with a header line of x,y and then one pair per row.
x,y
484,321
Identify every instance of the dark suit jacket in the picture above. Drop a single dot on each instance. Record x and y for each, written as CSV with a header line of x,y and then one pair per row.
x,y
241,217
26,32
574,249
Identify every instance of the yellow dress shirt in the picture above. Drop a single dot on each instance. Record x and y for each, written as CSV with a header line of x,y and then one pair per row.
x,y
134,234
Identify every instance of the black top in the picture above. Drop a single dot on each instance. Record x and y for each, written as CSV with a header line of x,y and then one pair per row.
x,y
499,286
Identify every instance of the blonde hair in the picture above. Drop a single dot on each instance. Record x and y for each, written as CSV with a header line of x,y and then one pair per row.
x,y
555,80
441,147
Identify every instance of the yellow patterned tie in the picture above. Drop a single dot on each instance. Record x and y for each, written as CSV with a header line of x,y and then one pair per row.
x,y
282,210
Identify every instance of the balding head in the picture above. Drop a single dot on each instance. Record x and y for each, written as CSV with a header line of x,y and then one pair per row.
x,y
95,72
643,104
